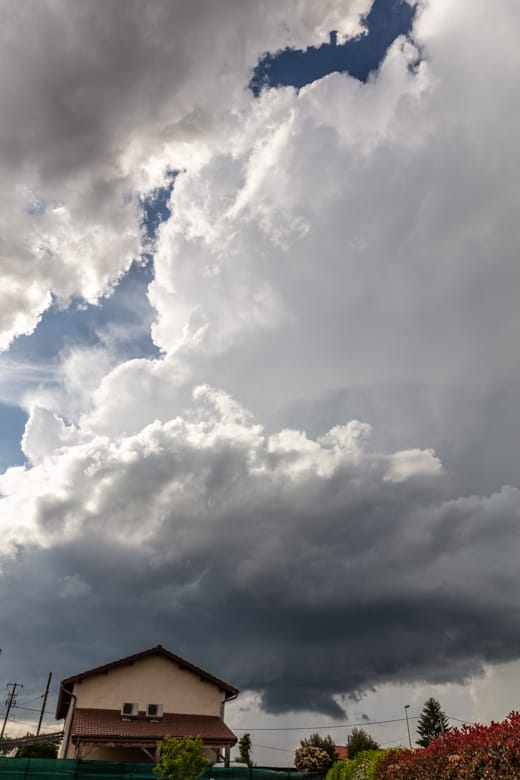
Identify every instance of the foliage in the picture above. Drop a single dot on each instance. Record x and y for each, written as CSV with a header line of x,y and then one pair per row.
x,y
42,750
470,753
362,767
359,740
311,759
182,758
325,743
338,770
432,723
244,750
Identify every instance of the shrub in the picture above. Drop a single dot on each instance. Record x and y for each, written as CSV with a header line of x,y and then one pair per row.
x,y
311,759
470,753
338,771
182,758
362,767
325,743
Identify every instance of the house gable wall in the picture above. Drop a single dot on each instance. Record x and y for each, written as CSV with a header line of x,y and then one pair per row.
x,y
151,680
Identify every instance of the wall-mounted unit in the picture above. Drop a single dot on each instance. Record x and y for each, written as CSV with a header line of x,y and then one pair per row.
x,y
129,710
154,711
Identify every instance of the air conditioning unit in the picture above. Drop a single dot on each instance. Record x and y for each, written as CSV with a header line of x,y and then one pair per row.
x,y
154,712
129,710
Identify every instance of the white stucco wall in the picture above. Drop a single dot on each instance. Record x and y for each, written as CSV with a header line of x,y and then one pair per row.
x,y
152,680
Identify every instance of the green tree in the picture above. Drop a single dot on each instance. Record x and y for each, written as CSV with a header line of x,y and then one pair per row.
x,y
358,741
432,722
325,743
182,758
244,750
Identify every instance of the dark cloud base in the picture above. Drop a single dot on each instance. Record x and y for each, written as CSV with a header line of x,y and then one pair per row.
x,y
332,585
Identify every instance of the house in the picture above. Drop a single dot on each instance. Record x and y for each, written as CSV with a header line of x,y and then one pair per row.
x,y
118,712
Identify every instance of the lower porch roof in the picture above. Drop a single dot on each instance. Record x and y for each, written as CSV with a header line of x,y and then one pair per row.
x,y
100,725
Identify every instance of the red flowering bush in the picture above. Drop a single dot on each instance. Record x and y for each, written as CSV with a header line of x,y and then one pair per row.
x,y
470,753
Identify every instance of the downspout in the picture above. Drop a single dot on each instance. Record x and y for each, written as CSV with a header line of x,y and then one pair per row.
x,y
225,701
227,750
69,729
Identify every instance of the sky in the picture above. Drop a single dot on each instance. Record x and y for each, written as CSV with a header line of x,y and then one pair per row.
x,y
259,376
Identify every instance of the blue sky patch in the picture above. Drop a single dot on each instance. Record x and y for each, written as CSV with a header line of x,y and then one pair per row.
x,y
12,424
156,207
386,20
84,324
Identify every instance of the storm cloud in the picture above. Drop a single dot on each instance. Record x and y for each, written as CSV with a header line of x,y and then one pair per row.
x,y
323,567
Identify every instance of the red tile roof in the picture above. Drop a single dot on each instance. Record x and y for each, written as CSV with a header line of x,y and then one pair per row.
x,y
67,684
93,725
341,752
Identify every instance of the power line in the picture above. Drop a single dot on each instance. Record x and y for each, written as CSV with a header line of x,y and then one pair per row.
x,y
468,722
328,726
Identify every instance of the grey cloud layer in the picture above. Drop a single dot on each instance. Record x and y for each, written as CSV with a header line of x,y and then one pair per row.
x,y
319,568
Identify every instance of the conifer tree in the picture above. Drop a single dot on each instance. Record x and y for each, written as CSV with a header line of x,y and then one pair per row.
x,y
432,723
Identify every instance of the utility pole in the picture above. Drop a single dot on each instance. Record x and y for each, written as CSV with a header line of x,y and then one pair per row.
x,y
44,703
10,702
406,706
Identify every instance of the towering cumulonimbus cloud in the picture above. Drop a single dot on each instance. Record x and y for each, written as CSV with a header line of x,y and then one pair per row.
x,y
97,106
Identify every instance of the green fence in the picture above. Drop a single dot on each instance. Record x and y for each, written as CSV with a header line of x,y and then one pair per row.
x,y
70,769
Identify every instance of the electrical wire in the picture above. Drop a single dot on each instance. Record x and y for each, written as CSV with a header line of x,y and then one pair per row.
x,y
328,726
467,722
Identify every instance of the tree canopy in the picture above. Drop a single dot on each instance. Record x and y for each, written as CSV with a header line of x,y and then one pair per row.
x,y
182,758
359,740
